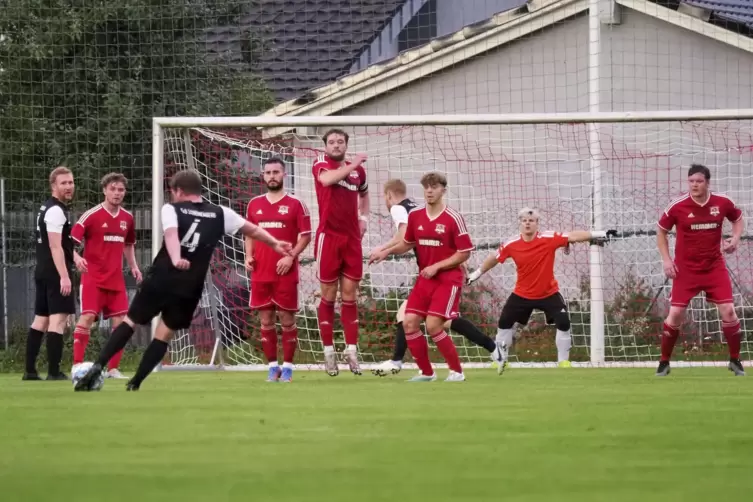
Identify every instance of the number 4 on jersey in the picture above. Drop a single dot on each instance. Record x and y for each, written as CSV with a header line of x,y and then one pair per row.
x,y
191,239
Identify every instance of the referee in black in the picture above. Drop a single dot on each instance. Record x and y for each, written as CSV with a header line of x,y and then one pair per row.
x,y
54,300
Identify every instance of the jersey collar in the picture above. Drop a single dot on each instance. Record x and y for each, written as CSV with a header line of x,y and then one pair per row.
x,y
708,198
284,194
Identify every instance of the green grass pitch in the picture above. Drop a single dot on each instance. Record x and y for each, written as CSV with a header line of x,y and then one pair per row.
x,y
530,435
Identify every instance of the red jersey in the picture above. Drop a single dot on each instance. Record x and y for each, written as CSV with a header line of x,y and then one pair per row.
x,y
106,235
338,203
699,229
437,239
535,263
286,220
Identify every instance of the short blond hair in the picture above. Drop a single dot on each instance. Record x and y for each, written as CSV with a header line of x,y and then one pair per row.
x,y
395,186
58,171
433,178
528,212
114,178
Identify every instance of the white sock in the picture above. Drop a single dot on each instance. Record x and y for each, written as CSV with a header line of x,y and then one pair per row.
x,y
287,365
273,364
505,336
329,349
564,342
351,348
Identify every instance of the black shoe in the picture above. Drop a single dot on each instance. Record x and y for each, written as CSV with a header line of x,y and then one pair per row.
x,y
60,376
31,376
131,386
87,381
736,367
663,369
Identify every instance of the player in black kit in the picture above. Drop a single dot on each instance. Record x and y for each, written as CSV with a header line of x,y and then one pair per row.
x,y
175,282
54,300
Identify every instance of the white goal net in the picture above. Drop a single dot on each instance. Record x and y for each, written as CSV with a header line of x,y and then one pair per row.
x,y
625,180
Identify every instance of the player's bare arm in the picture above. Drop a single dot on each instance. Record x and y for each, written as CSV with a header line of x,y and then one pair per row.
x,y
662,242
257,233
730,245
364,208
489,263
58,257
172,245
459,258
401,248
594,236
334,176
81,264
130,255
248,244
394,241
286,262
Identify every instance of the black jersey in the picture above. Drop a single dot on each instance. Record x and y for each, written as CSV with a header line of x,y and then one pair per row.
x,y
53,216
201,225
408,204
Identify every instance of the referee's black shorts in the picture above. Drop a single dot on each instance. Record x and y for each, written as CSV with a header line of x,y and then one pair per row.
x,y
49,301
519,309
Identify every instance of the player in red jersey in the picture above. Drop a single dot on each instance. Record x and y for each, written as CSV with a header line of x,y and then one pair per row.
x,y
342,195
274,279
107,231
439,235
699,264
533,253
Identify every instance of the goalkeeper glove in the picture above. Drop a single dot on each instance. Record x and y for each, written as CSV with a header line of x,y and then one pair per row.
x,y
473,276
601,237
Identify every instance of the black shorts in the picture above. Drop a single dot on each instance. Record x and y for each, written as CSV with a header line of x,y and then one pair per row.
x,y
154,298
49,301
519,309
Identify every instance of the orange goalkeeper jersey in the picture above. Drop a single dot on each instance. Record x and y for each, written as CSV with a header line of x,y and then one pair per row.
x,y
535,263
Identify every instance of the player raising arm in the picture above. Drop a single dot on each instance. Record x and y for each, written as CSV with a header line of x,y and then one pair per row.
x,y
442,245
274,280
108,232
342,195
175,281
699,264
400,206
536,287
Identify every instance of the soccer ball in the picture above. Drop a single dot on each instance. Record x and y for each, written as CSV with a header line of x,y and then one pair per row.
x,y
79,370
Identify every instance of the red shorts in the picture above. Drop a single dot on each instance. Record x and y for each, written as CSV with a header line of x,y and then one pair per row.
x,y
715,283
269,295
95,300
432,297
337,255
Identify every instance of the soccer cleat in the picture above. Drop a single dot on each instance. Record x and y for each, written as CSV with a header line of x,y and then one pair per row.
x,y
736,367
424,378
59,376
499,356
351,357
454,376
330,364
88,381
287,375
31,377
564,364
274,374
132,386
116,374
663,369
386,368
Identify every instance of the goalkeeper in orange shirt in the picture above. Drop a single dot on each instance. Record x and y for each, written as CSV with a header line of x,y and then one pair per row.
x,y
536,288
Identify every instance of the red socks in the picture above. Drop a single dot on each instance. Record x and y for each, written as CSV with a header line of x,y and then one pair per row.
x,y
731,332
114,361
419,349
80,341
269,343
447,348
325,314
289,343
349,319
668,340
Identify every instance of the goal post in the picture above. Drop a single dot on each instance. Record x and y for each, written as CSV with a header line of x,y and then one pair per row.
x,y
619,175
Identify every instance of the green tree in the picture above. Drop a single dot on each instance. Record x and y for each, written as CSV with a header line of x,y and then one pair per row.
x,y
80,81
